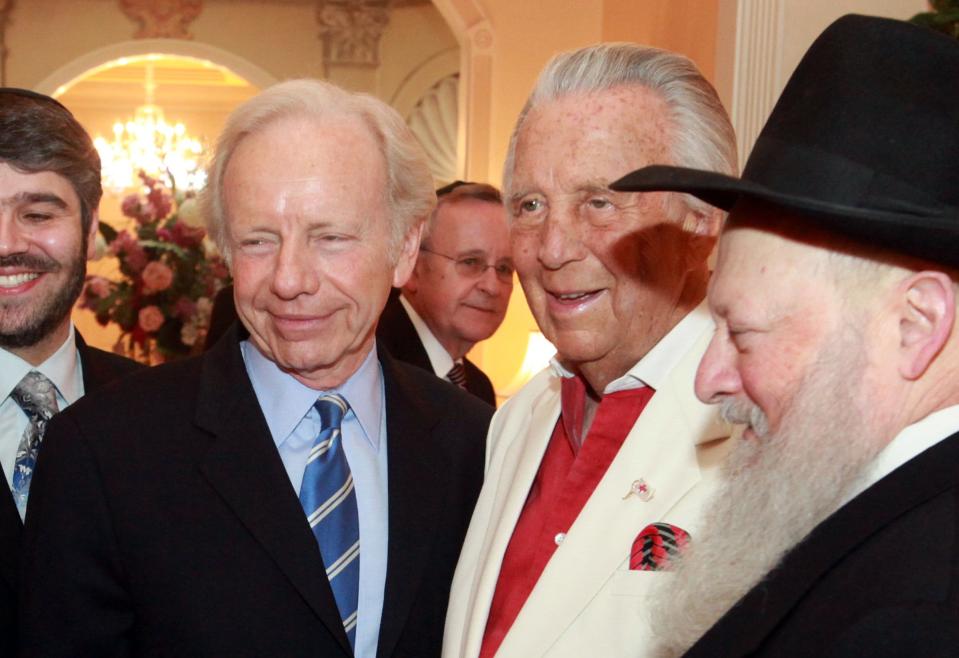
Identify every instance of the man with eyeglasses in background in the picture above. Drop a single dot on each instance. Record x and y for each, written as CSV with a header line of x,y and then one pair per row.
x,y
459,290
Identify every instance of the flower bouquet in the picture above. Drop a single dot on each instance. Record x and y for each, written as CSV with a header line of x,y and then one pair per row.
x,y
170,274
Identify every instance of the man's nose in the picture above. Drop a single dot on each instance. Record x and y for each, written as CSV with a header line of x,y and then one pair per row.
x,y
717,375
13,239
560,240
295,272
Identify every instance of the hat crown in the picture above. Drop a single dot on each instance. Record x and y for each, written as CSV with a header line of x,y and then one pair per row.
x,y
870,118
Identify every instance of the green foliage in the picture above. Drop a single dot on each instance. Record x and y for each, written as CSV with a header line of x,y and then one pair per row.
x,y
944,17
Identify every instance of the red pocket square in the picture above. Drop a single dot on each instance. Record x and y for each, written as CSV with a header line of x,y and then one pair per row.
x,y
657,547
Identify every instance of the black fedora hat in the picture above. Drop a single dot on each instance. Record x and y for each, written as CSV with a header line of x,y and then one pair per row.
x,y
864,140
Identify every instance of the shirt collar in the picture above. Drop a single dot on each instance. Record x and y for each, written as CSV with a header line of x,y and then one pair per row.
x,y
910,442
440,359
62,368
653,369
286,401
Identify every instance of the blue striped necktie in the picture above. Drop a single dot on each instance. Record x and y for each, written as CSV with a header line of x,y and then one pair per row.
x,y
328,498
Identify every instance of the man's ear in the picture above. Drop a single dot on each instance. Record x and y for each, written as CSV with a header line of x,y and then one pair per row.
x,y
92,234
406,259
927,311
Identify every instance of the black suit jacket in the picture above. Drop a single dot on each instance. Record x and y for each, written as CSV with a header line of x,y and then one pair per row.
x,y
397,334
879,578
99,368
170,528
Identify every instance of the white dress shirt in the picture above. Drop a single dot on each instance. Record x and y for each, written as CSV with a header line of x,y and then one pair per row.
x,y
910,442
294,424
440,359
62,368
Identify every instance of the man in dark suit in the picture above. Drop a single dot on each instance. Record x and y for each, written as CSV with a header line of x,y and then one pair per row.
x,y
459,289
295,492
836,532
49,193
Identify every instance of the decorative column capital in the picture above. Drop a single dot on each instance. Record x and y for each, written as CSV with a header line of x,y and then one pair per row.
x,y
6,6
351,30
162,18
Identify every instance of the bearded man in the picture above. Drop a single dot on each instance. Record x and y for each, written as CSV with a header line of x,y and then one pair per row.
x,y
836,532
49,194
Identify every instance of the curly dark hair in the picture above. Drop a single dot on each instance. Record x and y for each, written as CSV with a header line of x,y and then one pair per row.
x,y
37,134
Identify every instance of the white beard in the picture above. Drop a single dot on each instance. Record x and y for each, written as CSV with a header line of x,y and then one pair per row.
x,y
776,488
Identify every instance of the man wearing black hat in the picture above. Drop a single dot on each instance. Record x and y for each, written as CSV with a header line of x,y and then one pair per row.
x,y
837,527
49,194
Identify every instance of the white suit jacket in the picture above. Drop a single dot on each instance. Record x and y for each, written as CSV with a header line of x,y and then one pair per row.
x,y
587,602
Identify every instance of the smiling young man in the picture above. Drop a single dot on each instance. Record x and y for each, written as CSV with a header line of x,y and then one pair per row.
x,y
835,531
459,289
607,451
49,193
294,492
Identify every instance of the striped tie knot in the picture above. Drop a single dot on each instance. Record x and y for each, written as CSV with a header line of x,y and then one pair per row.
x,y
332,408
457,375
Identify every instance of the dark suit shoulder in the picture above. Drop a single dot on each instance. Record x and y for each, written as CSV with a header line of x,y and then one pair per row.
x,y
101,367
437,392
880,573
135,408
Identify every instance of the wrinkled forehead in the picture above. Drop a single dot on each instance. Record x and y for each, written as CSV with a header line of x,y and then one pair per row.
x,y
596,136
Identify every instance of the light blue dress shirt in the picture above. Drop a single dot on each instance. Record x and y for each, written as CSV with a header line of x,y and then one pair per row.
x,y
294,423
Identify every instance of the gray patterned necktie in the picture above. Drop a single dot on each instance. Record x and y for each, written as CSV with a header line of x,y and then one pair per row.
x,y
37,396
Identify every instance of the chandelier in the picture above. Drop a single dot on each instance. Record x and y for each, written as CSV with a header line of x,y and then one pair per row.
x,y
147,142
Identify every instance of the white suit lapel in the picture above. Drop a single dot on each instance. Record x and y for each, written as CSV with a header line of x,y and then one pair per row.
x,y
502,500
661,449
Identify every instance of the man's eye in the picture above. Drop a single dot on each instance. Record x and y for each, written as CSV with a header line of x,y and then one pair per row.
x,y
37,216
530,205
471,261
504,270
599,203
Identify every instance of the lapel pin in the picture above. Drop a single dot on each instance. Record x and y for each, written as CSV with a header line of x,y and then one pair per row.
x,y
641,489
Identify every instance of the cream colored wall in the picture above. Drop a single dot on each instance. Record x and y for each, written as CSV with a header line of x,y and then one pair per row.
x,y
505,44
47,37
805,19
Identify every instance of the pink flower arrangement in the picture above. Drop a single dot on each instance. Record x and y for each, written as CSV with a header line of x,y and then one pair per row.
x,y
156,277
168,275
150,318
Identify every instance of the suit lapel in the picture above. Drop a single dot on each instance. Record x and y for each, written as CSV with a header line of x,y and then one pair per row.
x,y
11,532
396,332
528,435
657,450
743,629
415,490
242,464
661,449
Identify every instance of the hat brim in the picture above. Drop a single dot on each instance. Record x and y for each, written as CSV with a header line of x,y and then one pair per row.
x,y
725,191
916,232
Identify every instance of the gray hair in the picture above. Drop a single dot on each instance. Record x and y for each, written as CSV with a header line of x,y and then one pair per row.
x,y
461,192
409,192
704,137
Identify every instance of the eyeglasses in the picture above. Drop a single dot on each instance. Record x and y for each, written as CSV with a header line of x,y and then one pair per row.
x,y
473,267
